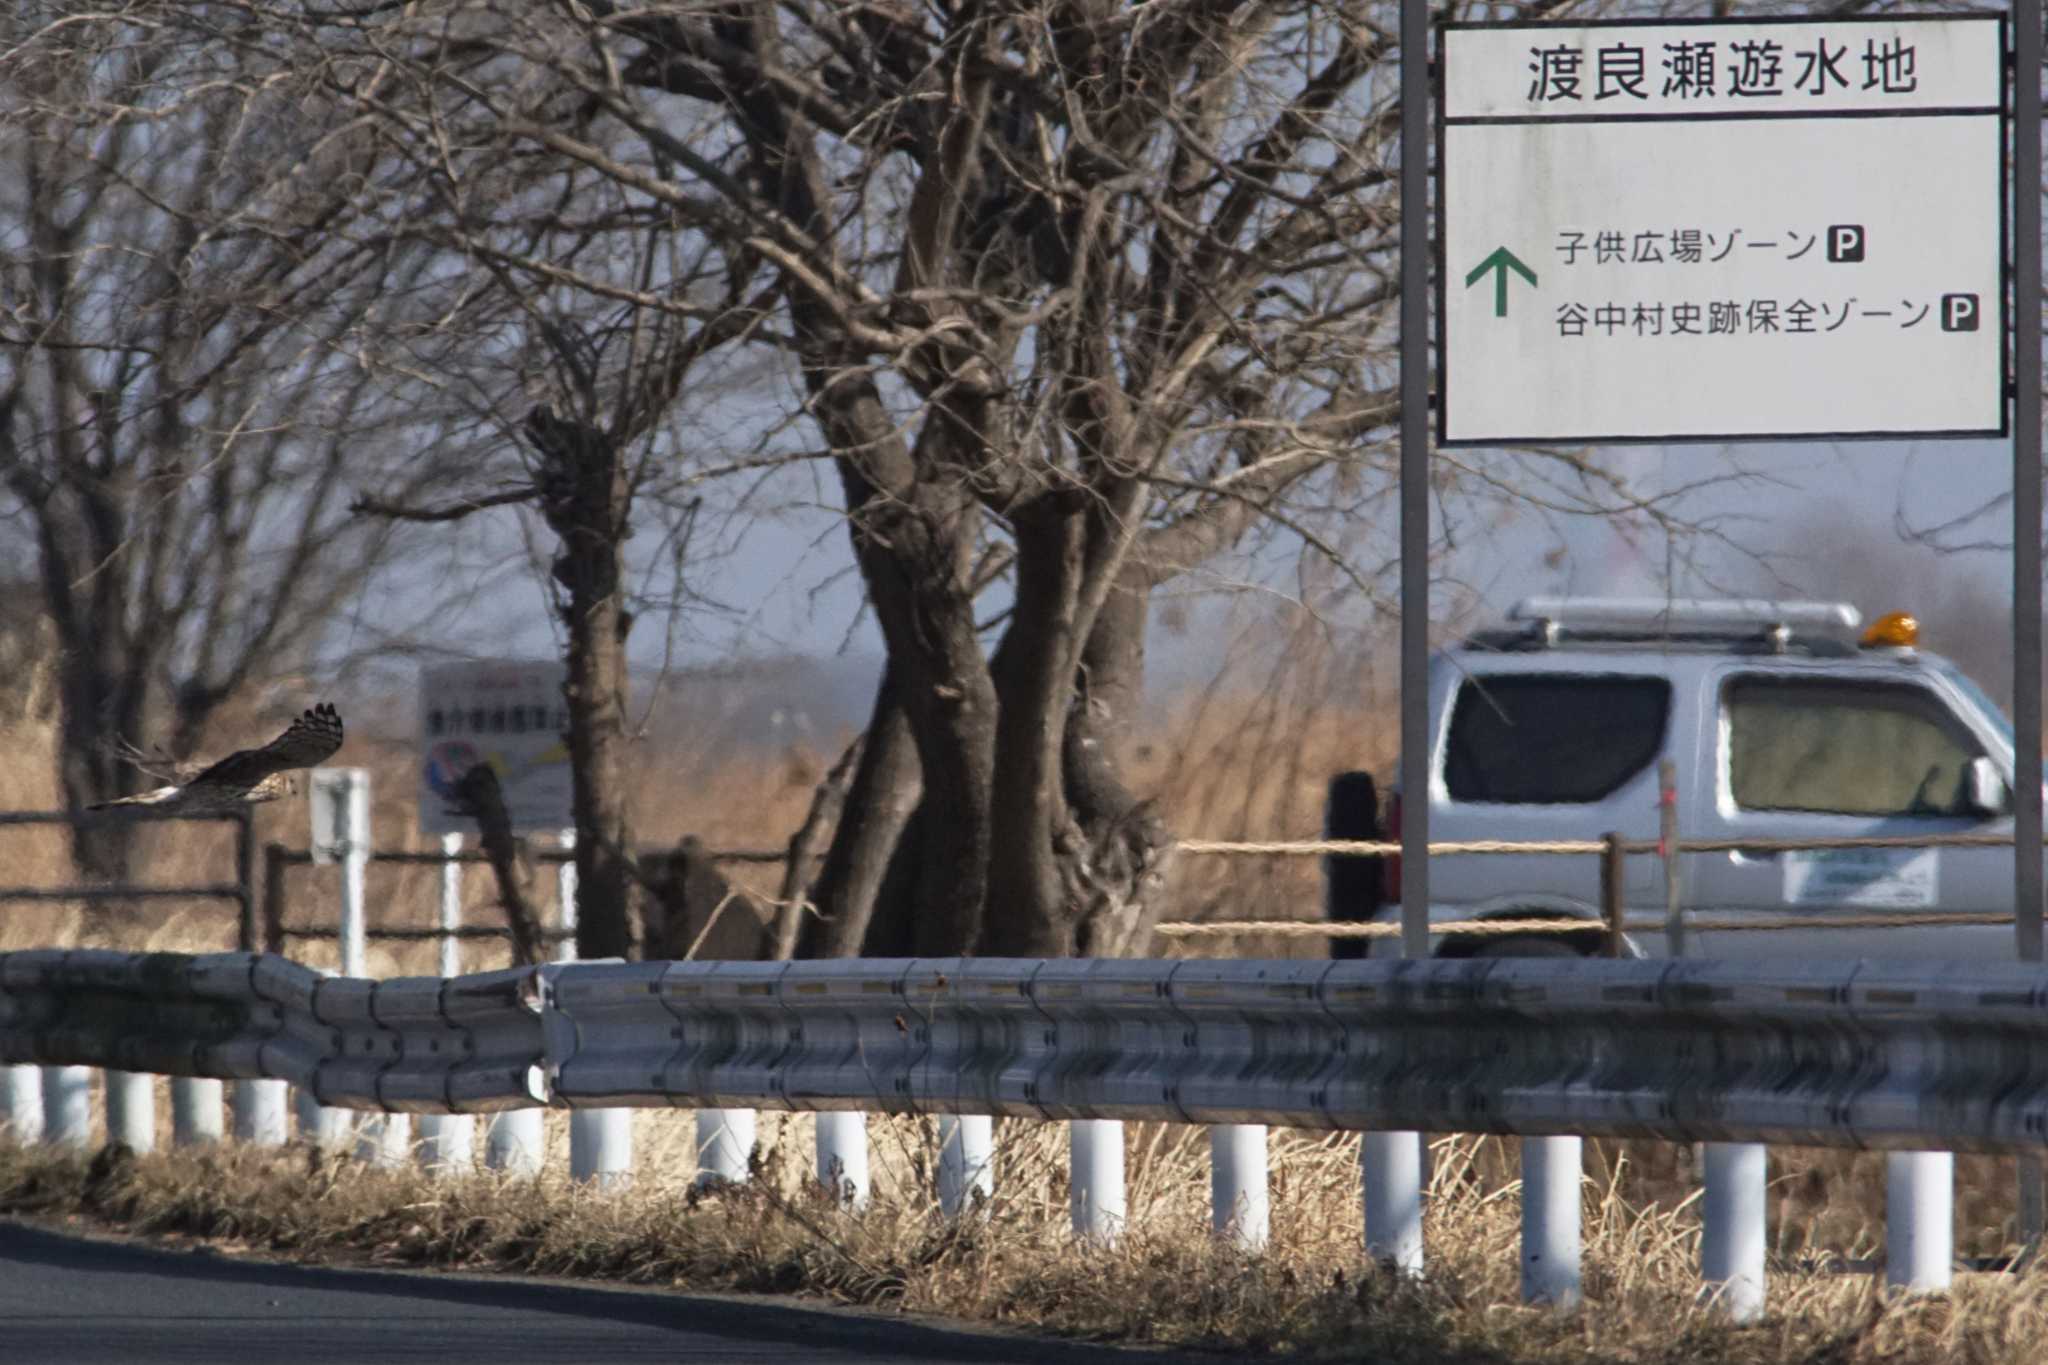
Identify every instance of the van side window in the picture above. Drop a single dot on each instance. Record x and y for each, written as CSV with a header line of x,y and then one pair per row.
x,y
1552,739
1808,744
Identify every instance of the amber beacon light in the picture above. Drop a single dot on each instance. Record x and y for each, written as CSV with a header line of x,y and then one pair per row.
x,y
1893,630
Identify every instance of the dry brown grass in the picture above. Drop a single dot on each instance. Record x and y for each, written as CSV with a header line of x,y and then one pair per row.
x,y
1166,1281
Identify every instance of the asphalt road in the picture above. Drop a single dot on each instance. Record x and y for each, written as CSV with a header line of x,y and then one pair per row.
x,y
66,1299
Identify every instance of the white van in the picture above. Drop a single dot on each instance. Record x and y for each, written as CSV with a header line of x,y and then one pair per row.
x,y
1783,720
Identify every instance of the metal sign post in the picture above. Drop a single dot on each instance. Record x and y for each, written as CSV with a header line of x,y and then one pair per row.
x,y
2026,527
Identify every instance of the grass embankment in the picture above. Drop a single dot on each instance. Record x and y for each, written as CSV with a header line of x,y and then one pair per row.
x,y
1166,1281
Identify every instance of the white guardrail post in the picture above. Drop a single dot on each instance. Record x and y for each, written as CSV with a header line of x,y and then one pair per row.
x,y
1240,1205
448,1141
131,1109
21,1092
67,1106
260,1113
1919,1221
842,1141
1732,1240
1095,1156
1551,1168
966,1162
1390,1165
197,1111
725,1146
600,1140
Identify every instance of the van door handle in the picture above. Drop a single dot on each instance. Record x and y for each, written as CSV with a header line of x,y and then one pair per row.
x,y
1753,855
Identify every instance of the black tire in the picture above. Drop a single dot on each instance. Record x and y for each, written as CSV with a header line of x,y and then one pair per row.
x,y
1528,945
1353,886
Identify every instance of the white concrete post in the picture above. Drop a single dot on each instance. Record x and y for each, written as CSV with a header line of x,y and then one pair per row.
x,y
842,1140
1095,1184
966,1161
131,1110
448,1141
1391,1168
384,1139
196,1111
516,1141
260,1112
601,1146
725,1146
67,1106
600,1140
1550,1220
331,1130
1732,1238
1919,1221
21,1101
1240,1206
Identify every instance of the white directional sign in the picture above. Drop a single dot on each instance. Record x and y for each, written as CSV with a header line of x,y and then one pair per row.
x,y
1722,230
509,714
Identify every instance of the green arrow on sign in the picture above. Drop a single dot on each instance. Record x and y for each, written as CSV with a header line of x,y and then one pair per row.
x,y
1501,261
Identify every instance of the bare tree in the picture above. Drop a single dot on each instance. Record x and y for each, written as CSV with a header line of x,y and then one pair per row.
x,y
1075,297
181,418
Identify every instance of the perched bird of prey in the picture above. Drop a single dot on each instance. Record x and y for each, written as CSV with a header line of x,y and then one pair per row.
x,y
249,775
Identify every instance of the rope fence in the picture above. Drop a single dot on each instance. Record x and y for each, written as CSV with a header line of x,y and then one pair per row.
x,y
1613,922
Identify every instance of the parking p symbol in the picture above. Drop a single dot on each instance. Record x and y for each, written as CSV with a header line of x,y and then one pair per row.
x,y
1959,312
1845,242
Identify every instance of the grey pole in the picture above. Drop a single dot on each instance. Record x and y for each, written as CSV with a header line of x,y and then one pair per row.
x,y
2026,527
1390,1164
1415,478
2026,474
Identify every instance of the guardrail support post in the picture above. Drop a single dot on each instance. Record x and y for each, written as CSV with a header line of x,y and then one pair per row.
x,y
1391,1167
1095,1185
1732,1238
259,1113
601,1146
384,1139
725,1146
67,1106
448,1141
842,1140
1551,1168
966,1165
1919,1221
131,1110
516,1141
21,1092
196,1111
1240,1207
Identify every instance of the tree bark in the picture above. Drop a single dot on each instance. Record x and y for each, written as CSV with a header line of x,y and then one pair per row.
x,y
885,790
585,496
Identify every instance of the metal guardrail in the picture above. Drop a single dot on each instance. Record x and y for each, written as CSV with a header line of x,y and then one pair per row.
x,y
1899,1056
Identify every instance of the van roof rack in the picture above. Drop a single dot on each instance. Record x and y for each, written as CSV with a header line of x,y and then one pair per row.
x,y
1758,623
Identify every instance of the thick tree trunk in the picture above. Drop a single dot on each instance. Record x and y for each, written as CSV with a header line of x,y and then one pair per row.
x,y
585,498
878,806
100,703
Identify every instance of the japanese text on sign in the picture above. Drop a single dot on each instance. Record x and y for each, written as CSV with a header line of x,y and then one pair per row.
x,y
1748,229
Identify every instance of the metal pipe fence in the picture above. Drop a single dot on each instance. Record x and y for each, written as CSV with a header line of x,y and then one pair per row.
x,y
241,891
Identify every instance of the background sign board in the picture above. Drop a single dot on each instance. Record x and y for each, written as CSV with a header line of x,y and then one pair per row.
x,y
1722,230
509,714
